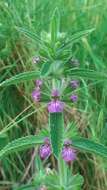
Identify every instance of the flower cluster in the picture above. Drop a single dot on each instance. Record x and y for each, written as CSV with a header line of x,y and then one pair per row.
x,y
68,153
45,149
56,105
36,94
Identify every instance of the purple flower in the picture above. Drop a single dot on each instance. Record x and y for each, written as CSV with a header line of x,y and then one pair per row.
x,y
75,62
68,154
74,98
36,94
55,106
55,93
36,60
45,149
39,83
74,84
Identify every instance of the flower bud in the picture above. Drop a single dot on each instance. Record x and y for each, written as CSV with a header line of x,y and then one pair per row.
x,y
45,149
74,98
74,84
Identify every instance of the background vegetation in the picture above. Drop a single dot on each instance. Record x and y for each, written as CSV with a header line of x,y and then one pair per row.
x,y
18,116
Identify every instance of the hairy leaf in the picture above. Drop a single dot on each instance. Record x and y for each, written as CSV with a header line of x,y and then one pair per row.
x,y
56,124
87,74
55,23
77,36
75,182
21,144
90,146
46,68
26,76
29,34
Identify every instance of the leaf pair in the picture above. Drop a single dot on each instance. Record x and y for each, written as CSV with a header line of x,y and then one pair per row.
x,y
82,144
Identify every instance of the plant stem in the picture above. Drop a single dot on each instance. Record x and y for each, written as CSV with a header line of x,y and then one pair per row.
x,y
62,173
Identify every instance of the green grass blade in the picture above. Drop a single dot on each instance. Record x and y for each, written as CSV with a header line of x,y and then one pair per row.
x,y
3,140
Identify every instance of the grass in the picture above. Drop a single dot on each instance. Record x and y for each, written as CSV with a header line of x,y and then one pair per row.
x,y
17,111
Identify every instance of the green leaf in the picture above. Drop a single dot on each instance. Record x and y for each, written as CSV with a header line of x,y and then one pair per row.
x,y
66,178
81,34
26,76
52,181
56,123
55,25
29,34
77,36
21,144
86,73
46,69
75,182
63,179
90,146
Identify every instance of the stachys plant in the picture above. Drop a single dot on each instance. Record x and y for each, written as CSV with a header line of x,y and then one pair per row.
x,y
58,82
